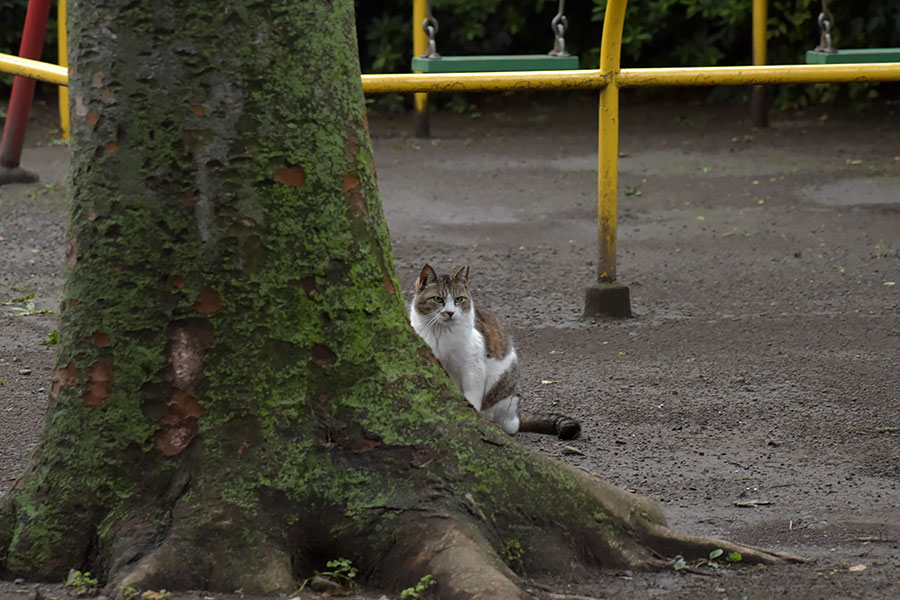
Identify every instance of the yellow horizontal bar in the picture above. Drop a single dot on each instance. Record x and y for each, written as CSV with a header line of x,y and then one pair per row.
x,y
34,68
759,75
579,79
560,80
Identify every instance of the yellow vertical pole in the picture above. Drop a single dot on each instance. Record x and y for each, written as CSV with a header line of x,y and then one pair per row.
x,y
608,160
419,42
758,106
63,62
607,297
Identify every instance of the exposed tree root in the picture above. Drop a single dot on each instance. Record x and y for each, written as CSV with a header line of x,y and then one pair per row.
x,y
669,543
198,551
458,556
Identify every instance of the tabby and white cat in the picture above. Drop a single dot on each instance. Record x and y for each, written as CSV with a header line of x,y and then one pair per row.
x,y
475,351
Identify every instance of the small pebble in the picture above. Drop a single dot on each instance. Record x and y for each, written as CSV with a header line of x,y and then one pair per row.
x,y
24,371
572,450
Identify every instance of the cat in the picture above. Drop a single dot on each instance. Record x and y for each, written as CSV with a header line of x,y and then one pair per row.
x,y
476,353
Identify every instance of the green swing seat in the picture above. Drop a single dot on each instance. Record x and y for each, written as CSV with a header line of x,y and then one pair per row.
x,y
491,63
857,55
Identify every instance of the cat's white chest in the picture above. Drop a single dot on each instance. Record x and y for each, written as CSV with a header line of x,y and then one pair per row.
x,y
460,348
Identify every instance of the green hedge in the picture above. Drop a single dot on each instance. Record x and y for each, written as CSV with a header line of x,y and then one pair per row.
x,y
657,33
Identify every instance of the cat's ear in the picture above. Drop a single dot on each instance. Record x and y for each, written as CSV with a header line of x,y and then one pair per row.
x,y
461,274
425,277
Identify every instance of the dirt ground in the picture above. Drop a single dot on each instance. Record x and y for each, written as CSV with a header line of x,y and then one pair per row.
x,y
755,392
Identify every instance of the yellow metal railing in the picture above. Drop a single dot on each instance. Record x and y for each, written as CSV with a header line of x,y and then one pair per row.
x,y
609,78
62,52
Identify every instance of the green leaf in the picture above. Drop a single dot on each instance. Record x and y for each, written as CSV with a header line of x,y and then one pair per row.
x,y
680,564
716,553
735,557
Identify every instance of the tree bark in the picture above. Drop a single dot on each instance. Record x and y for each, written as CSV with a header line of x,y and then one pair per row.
x,y
237,396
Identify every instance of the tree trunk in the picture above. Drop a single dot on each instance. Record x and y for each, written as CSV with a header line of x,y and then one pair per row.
x,y
237,395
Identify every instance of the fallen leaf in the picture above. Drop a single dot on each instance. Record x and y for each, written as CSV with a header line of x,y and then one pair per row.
x,y
857,568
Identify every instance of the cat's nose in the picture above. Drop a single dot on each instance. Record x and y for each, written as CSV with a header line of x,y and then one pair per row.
x,y
449,313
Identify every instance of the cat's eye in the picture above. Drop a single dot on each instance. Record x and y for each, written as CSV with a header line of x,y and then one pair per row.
x,y
437,299
460,299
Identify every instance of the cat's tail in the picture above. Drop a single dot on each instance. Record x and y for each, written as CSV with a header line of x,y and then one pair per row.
x,y
561,426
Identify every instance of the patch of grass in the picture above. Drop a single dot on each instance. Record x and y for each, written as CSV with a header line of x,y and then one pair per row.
x,y
53,338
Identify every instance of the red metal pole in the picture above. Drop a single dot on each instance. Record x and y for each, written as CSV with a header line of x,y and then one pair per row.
x,y
22,94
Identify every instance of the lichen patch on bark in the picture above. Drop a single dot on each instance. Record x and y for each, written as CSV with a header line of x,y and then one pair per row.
x,y
309,285
100,339
63,377
352,144
322,355
351,182
188,340
72,252
208,301
291,176
182,406
172,440
356,203
100,381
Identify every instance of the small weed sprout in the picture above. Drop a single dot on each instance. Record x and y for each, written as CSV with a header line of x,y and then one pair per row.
x,y
341,571
82,583
712,561
130,593
512,552
415,593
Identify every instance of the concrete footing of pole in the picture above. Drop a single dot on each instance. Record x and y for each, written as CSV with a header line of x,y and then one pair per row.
x,y
421,125
607,300
16,175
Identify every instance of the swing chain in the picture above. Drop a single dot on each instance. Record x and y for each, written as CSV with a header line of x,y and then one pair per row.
x,y
826,21
559,24
430,26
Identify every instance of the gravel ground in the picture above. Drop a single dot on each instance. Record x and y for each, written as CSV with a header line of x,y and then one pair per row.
x,y
755,392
